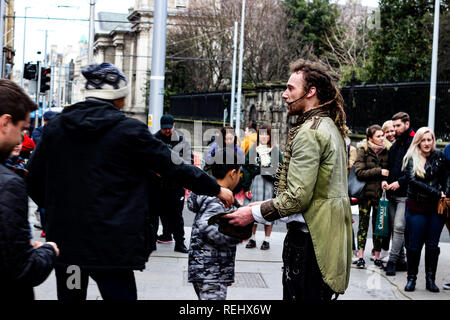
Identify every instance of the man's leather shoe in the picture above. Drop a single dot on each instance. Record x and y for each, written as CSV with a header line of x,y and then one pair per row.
x,y
390,268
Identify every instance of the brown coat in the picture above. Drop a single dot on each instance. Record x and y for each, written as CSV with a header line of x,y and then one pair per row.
x,y
368,167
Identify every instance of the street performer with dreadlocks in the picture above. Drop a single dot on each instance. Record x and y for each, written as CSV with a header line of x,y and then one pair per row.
x,y
311,190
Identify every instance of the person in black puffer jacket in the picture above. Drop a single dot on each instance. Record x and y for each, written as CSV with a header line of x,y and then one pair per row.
x,y
22,265
90,171
395,184
427,181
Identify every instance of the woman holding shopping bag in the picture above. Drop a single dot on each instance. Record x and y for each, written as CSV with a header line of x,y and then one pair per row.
x,y
427,183
371,166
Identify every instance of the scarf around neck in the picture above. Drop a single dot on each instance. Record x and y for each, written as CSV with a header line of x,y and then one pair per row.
x,y
376,148
264,155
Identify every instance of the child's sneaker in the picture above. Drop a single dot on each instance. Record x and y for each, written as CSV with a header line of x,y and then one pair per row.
x,y
164,239
265,245
251,244
378,263
361,264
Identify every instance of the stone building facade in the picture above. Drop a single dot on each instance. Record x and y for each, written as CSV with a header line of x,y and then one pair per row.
x,y
125,40
8,40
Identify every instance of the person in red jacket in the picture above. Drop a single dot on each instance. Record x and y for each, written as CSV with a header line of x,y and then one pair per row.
x,y
27,146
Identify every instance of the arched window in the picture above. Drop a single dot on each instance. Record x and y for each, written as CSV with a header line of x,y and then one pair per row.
x,y
253,115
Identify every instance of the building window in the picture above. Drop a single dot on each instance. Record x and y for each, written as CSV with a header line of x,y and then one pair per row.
x,y
253,115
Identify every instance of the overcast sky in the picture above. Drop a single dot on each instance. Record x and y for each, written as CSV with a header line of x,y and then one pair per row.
x,y
64,33
61,33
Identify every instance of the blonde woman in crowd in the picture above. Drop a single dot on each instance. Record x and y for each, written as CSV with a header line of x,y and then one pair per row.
x,y
427,182
389,132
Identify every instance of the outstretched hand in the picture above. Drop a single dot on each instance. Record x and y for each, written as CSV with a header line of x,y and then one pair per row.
x,y
226,196
241,217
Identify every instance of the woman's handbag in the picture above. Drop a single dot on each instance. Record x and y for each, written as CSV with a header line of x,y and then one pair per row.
x,y
382,221
444,208
355,186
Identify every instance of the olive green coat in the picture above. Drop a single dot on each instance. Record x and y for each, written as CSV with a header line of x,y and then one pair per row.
x,y
313,181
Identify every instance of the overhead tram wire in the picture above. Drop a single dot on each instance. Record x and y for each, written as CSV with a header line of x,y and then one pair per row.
x,y
96,20
168,57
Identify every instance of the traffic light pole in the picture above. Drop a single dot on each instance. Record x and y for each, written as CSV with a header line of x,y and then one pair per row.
x,y
52,84
38,89
24,43
58,99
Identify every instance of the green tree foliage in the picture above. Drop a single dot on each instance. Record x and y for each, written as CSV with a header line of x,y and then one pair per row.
x,y
311,21
402,45
444,46
205,32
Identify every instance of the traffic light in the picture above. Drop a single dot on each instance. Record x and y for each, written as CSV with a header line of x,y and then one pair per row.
x,y
45,79
29,71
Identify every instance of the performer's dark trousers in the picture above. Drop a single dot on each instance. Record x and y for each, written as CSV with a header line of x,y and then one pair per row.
x,y
302,279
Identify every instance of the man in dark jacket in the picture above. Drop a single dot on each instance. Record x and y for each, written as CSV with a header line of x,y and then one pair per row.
x,y
22,265
170,200
37,133
91,172
397,186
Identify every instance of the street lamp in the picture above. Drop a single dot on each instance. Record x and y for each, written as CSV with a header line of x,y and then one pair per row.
x,y
91,33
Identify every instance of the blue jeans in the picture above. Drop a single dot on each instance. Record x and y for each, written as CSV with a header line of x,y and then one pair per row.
x,y
424,229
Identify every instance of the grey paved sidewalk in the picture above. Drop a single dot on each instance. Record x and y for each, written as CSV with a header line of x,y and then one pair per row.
x,y
258,275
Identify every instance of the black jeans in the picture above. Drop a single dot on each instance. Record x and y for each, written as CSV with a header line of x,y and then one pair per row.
x,y
302,279
115,285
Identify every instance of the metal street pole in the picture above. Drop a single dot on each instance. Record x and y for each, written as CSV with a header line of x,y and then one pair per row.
x,y
52,82
24,43
156,101
233,78
91,33
2,14
45,48
58,99
434,61
38,88
241,58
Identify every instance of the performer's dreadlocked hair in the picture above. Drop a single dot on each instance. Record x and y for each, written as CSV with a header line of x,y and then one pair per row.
x,y
316,75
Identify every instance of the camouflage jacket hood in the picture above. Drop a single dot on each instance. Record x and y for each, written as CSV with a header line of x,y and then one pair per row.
x,y
211,253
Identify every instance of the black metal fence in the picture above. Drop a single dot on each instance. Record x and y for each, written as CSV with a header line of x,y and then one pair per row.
x,y
373,104
364,105
202,106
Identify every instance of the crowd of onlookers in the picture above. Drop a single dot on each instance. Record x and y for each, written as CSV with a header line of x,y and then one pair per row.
x,y
415,175
101,178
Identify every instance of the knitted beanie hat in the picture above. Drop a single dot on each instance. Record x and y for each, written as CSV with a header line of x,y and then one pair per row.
x,y
105,81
